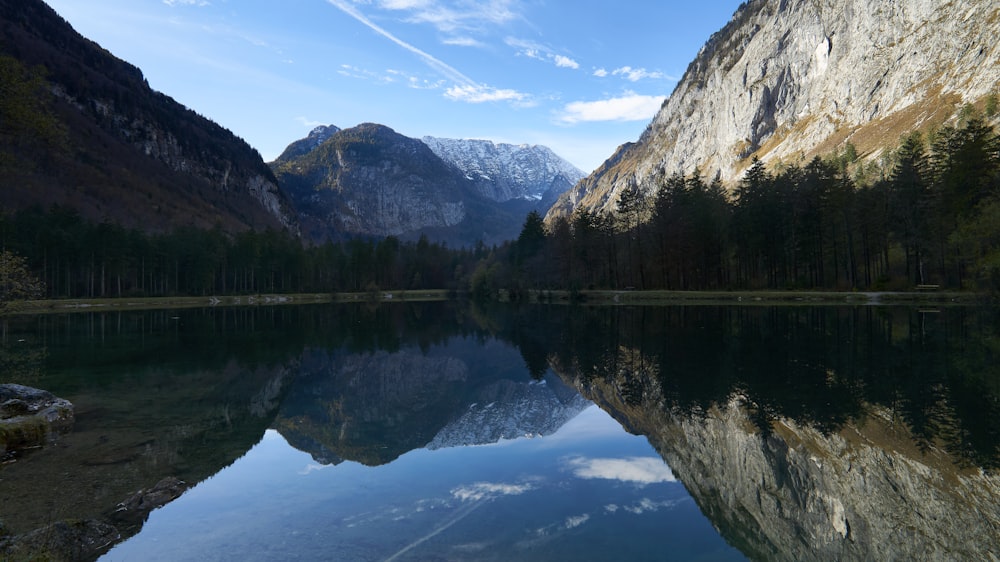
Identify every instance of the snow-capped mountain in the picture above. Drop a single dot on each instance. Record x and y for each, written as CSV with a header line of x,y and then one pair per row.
x,y
503,171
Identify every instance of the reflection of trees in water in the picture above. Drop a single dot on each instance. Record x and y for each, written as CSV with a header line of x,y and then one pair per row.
x,y
21,359
820,366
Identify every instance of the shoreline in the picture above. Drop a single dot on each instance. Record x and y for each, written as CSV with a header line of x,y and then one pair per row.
x,y
592,297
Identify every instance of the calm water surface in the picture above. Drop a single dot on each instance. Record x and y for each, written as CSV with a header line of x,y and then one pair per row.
x,y
452,432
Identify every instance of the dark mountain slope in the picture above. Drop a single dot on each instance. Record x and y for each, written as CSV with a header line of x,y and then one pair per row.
x,y
81,128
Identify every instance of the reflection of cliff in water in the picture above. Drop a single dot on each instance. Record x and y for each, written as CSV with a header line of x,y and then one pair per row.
x,y
864,434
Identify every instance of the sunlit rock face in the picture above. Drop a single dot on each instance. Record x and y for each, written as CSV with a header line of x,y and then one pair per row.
x,y
783,490
788,79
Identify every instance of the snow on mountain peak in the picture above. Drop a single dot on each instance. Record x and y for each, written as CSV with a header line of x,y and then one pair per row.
x,y
507,171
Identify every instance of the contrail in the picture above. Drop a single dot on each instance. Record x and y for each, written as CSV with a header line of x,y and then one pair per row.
x,y
461,514
431,61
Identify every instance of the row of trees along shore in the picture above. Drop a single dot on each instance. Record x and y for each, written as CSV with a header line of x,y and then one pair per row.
x,y
926,214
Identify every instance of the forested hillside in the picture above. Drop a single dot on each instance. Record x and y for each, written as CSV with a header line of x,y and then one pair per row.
x,y
929,215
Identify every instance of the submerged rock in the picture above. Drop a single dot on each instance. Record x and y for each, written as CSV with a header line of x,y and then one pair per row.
x,y
62,540
30,417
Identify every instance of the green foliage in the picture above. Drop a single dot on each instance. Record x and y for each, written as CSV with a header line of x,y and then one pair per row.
x,y
16,281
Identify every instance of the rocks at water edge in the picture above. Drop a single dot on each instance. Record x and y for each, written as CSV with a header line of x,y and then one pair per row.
x,y
30,417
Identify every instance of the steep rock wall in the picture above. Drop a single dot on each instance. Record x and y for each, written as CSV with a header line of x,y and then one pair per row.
x,y
785,80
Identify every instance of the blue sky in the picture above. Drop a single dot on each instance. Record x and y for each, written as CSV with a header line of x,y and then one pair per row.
x,y
581,77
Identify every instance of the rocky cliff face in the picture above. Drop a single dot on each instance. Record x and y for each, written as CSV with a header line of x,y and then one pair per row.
x,y
865,492
502,172
785,80
116,149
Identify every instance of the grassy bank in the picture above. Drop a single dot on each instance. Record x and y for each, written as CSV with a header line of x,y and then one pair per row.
x,y
149,303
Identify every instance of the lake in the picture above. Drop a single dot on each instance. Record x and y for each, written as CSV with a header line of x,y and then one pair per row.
x,y
454,431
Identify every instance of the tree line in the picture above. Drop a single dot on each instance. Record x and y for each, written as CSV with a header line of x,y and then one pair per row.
x,y
76,258
927,214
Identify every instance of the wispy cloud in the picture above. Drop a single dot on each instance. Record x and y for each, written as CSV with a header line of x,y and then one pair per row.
x,y
538,51
463,42
482,94
173,3
576,521
633,74
646,505
312,124
628,107
438,65
455,16
636,74
637,470
465,89
488,490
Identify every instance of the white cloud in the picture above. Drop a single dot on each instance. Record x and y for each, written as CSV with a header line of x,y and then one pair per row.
x,y
451,16
636,74
438,65
566,62
173,3
481,94
637,470
601,72
488,490
312,124
463,42
646,505
574,522
537,51
311,467
629,107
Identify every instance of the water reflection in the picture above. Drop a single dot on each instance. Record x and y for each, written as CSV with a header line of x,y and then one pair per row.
x,y
817,433
399,431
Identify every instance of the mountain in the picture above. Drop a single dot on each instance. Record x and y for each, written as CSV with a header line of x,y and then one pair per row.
x,y
304,146
81,128
369,180
786,80
502,172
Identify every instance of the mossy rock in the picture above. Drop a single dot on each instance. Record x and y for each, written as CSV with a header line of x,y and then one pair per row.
x,y
30,417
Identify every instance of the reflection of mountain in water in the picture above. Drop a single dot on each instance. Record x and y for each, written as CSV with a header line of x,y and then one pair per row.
x,y
374,407
509,409
783,487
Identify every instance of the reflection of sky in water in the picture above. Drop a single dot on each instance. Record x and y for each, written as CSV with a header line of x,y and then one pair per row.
x,y
590,491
